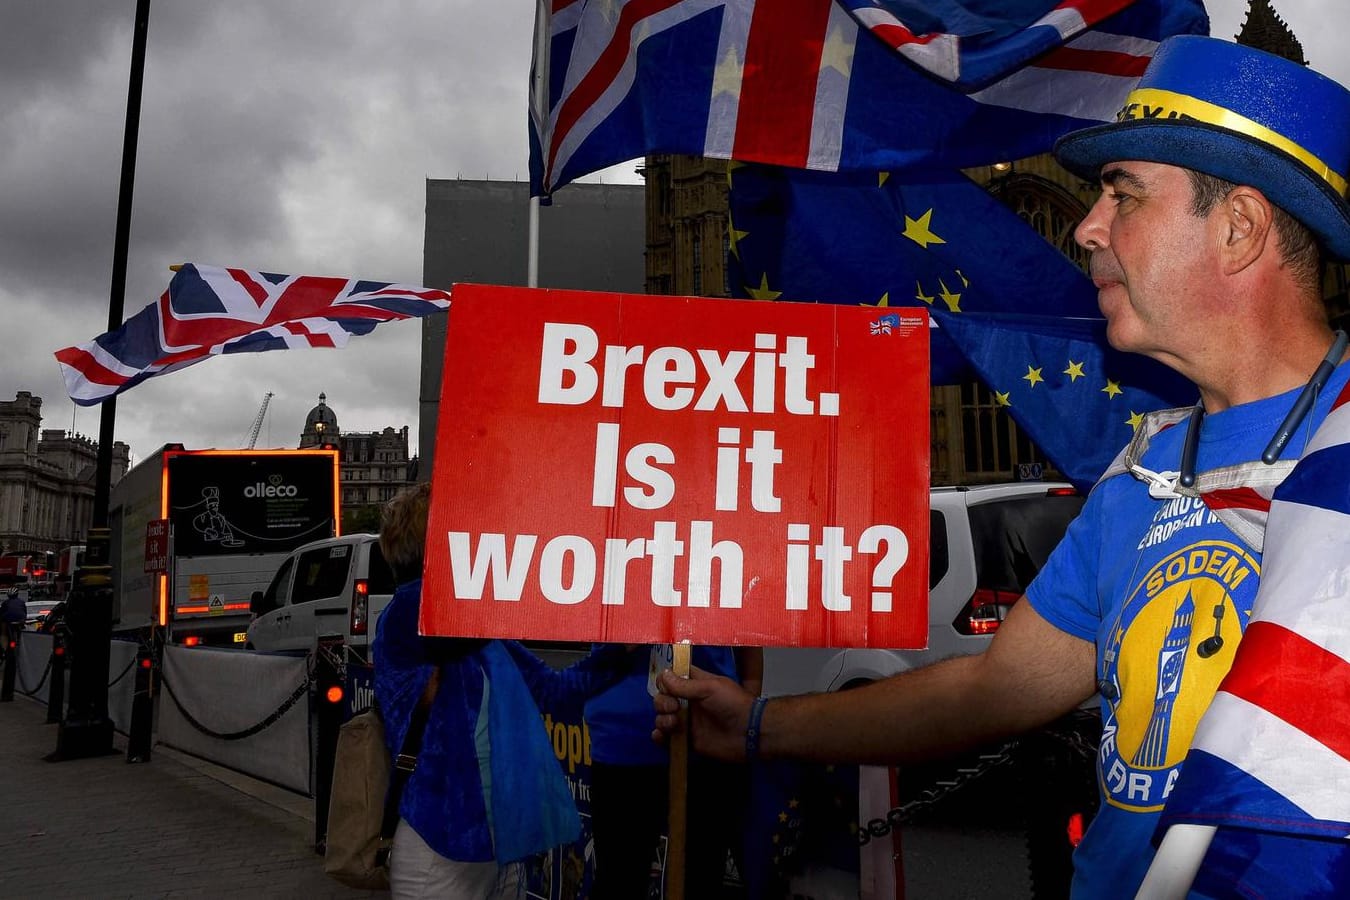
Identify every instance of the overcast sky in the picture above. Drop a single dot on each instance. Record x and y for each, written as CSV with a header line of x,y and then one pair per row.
x,y
290,137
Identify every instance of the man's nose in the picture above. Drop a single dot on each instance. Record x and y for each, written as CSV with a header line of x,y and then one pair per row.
x,y
1093,232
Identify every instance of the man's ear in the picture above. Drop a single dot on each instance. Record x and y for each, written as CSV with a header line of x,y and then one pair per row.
x,y
1246,219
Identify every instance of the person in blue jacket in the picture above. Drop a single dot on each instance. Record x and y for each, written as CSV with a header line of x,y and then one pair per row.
x,y
487,791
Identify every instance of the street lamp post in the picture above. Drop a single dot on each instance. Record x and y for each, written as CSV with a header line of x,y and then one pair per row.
x,y
87,730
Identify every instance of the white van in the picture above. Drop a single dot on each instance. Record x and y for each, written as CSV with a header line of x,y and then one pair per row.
x,y
333,586
986,543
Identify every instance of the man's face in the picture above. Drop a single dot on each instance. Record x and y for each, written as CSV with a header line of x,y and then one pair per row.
x,y
1151,257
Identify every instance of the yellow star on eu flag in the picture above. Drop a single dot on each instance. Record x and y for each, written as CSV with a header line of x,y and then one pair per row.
x,y
1135,420
883,303
1074,371
762,292
1033,376
837,53
952,300
1112,389
1002,398
920,295
920,231
734,236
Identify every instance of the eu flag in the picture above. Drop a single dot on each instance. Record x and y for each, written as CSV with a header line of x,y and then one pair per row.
x,y
1077,398
943,243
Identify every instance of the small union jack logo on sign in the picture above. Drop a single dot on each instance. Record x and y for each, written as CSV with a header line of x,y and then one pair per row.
x,y
884,324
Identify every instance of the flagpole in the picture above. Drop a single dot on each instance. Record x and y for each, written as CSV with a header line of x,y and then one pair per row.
x,y
532,267
86,729
539,112
1176,863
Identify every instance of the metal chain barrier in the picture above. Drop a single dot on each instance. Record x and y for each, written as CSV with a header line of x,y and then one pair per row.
x,y
942,789
945,787
280,711
1080,743
131,665
23,688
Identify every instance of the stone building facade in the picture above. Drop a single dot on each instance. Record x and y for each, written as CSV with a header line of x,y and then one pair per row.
x,y
373,466
46,479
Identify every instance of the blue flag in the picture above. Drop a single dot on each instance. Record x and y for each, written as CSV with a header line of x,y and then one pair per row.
x,y
1077,398
799,83
867,239
972,43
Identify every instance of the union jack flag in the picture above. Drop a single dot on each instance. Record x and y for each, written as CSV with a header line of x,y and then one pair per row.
x,y
209,310
970,48
794,83
884,324
1270,762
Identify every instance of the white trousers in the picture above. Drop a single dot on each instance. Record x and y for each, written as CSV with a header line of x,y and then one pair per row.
x,y
416,871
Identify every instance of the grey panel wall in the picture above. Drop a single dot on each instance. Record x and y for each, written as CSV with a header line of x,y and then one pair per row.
x,y
591,238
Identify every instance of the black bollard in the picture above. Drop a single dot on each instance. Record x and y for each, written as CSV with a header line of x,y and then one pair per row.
x,y
56,687
140,733
330,692
11,667
86,729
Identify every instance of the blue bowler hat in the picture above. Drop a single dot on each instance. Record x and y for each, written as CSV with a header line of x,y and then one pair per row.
x,y
1239,114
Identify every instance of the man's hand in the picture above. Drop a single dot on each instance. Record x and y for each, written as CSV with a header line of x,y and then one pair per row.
x,y
719,712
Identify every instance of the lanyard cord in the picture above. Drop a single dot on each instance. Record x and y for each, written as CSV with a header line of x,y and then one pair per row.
x,y
1278,441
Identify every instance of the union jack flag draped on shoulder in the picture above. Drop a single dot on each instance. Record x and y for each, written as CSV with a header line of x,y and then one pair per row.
x,y
1270,762
799,83
209,310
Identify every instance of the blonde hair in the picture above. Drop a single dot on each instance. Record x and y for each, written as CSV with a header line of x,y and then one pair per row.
x,y
403,531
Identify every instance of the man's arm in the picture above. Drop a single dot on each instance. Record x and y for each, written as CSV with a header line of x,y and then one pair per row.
x,y
1031,673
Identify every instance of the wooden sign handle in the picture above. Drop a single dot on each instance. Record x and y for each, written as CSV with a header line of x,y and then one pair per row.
x,y
678,792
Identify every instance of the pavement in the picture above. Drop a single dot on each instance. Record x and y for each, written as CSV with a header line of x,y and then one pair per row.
x,y
175,826
178,826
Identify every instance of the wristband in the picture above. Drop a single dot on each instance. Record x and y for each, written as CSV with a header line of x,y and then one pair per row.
x,y
752,729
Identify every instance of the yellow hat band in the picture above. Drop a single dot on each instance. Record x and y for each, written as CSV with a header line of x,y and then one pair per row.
x,y
1151,103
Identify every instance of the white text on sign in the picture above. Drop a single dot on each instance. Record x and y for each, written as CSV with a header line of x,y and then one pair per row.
x,y
569,567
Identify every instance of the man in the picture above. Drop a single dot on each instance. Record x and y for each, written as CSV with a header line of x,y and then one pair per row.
x,y
13,612
1224,182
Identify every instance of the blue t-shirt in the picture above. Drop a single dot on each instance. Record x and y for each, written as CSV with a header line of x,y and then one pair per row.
x,y
621,718
1146,580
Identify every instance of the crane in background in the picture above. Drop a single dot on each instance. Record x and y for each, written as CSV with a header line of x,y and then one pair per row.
x,y
258,420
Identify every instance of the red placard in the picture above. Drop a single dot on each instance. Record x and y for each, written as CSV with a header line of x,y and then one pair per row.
x,y
618,467
157,545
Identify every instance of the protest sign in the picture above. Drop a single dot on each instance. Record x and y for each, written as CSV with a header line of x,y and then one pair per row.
x,y
616,467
